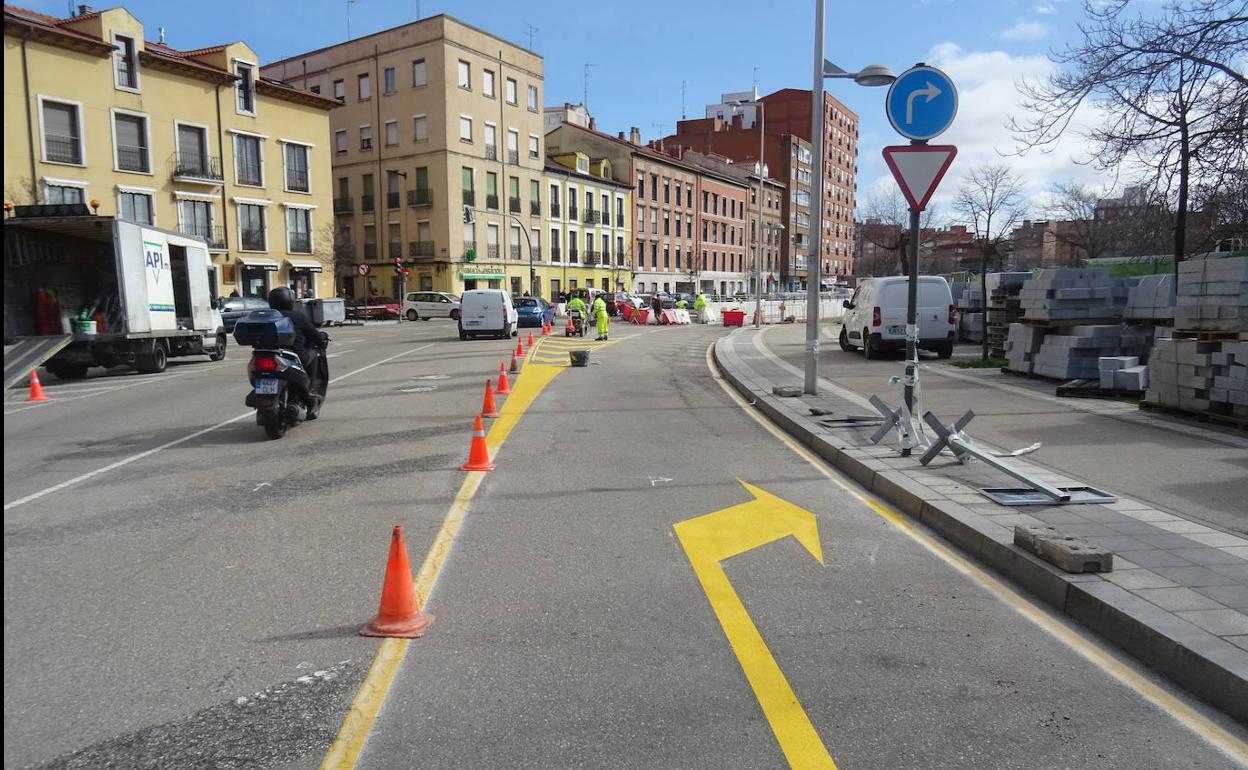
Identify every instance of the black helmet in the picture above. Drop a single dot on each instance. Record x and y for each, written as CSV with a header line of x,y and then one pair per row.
x,y
281,299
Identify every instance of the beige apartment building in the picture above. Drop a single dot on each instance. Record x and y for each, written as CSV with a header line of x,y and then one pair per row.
x,y
437,117
588,228
189,140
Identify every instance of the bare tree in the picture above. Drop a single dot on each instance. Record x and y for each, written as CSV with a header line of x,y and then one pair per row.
x,y
990,202
1168,87
1073,207
886,226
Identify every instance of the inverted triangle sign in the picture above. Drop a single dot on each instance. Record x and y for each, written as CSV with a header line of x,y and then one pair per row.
x,y
918,169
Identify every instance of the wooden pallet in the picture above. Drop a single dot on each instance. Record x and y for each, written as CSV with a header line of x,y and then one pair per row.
x,y
1206,335
1230,420
1093,389
1069,322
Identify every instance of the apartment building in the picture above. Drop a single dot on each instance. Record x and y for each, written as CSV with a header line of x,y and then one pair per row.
x,y
196,141
588,228
437,154
788,112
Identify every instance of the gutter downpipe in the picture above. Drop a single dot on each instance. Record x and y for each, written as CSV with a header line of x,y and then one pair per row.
x,y
30,128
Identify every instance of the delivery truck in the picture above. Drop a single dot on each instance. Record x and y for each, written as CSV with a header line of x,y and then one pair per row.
x,y
82,290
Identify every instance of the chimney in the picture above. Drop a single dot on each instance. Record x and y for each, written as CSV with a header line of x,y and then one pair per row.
x,y
162,35
634,135
593,124
84,9
621,135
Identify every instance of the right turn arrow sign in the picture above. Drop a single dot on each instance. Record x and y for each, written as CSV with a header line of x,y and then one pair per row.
x,y
918,169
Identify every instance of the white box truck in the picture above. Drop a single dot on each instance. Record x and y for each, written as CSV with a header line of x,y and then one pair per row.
x,y
82,290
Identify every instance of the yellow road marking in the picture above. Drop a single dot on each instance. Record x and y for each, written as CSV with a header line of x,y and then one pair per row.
x,y
1191,718
713,537
344,752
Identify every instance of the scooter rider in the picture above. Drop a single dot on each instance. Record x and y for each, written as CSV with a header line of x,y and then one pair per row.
x,y
308,339
576,303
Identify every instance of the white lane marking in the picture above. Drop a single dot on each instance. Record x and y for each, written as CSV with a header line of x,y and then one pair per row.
x,y
99,391
340,353
147,453
261,485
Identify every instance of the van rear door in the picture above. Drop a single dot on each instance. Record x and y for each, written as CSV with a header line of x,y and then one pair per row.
x,y
482,311
934,301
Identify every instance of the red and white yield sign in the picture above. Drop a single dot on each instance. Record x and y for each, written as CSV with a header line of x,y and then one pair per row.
x,y
918,169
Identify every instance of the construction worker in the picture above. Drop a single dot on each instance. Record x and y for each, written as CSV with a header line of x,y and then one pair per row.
x,y
681,304
600,314
577,304
699,305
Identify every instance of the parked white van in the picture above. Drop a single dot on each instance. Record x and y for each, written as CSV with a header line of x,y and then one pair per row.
x,y
487,311
875,317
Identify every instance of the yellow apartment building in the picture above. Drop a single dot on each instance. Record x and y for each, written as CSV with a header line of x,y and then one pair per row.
x,y
194,141
588,226
437,156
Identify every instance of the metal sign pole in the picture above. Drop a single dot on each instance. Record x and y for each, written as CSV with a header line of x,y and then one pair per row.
x,y
912,328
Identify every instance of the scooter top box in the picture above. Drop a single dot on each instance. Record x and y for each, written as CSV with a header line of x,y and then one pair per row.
x,y
265,329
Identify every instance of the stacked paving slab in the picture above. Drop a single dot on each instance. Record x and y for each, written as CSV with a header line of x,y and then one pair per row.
x,y
1151,299
1074,294
1077,353
1212,295
970,304
1022,343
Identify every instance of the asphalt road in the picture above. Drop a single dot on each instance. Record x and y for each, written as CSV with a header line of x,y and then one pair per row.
x,y
198,606
1201,474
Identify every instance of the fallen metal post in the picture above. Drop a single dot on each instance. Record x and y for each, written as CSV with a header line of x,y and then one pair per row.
x,y
961,447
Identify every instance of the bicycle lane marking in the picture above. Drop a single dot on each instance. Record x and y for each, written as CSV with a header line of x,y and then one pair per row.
x,y
149,452
345,751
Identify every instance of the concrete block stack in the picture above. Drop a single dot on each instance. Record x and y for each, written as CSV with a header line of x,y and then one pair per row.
x,y
1151,299
1077,354
1074,294
970,304
1122,373
1212,295
1021,345
1196,376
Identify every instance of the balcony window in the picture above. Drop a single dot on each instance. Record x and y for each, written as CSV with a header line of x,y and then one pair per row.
x,y
364,87
366,138
251,232
534,147
487,83
130,134
340,90
62,133
392,133
135,207
465,75
245,88
297,175
125,63
298,230
248,161
465,129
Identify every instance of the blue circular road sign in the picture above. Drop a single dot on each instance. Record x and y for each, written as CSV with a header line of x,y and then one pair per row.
x,y
921,103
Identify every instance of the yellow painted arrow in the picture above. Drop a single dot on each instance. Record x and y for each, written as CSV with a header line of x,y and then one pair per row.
x,y
707,541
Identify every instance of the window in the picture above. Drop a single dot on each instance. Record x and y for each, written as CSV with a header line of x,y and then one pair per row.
x,y
298,178
340,140
511,91
55,193
420,75
470,193
678,203
299,230
364,87
62,133
487,83
533,98
366,192
582,165
248,161
366,138
654,187
465,75
619,212
135,207
667,190
394,235
195,218
491,190
125,63
513,146
641,220
554,244
465,129
513,194
392,133
641,185
251,234
130,143
535,193
421,124
340,90
619,250
245,88
389,80
491,141
534,147
667,224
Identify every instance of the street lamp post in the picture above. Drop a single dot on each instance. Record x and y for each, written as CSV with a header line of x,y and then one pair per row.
x,y
872,75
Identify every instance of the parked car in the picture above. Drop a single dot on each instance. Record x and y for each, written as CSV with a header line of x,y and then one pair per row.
x,y
875,317
532,311
234,308
616,301
424,305
376,308
487,311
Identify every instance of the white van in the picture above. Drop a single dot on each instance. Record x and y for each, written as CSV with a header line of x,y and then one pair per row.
x,y
875,317
487,311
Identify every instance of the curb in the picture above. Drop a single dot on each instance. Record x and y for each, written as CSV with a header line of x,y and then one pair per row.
x,y
1192,658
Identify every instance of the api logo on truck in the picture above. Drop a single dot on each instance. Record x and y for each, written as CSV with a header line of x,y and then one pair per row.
x,y
157,263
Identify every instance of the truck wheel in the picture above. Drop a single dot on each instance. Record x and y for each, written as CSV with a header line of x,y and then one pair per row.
x,y
844,341
68,371
153,362
219,353
868,350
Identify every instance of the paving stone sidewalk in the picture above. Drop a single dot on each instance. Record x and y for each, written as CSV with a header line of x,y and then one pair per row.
x,y
1177,597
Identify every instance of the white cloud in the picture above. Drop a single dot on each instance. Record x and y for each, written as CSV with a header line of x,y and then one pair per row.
x,y
1046,9
1025,30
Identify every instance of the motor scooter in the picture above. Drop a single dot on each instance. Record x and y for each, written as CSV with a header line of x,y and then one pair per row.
x,y
283,393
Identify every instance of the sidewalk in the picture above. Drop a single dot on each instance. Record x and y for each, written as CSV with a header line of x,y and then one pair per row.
x,y
1177,598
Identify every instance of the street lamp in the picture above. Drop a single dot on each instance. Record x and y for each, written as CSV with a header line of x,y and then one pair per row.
x,y
871,75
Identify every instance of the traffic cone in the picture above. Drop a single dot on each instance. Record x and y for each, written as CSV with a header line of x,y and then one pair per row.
x,y
399,615
514,368
36,390
504,387
519,348
478,452
530,340
488,409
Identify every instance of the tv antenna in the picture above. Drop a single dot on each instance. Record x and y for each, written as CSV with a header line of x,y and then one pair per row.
x,y
349,4
585,96
684,87
660,127
532,30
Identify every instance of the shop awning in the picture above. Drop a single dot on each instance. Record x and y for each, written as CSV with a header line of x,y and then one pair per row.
x,y
484,276
258,262
306,265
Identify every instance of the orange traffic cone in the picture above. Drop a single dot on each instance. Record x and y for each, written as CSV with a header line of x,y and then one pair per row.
x,y
543,327
504,387
478,452
488,409
399,615
36,390
514,368
519,348
530,339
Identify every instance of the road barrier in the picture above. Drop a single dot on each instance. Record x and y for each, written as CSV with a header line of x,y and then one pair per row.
x,y
399,614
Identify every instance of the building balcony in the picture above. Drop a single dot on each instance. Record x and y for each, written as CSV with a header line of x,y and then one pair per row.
x,y
592,217
574,257
513,157
393,200
535,208
62,149
344,253
133,158
214,236
194,167
298,180
248,172
572,214
556,255
554,211
344,205
606,218
514,251
491,251
536,253
367,203
513,205
591,258
419,249
299,243
252,239
491,202
470,248
470,198
491,152
419,197
395,250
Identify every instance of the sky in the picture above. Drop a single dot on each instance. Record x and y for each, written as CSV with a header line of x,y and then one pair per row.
x,y
640,52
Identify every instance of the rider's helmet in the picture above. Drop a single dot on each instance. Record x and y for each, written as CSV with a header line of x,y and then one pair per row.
x,y
281,298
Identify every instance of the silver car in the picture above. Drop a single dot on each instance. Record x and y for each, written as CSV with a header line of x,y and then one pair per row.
x,y
430,304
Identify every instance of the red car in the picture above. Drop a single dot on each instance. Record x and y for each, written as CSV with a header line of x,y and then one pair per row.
x,y
376,308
